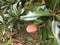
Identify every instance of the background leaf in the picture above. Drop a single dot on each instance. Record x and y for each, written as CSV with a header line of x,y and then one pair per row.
x,y
58,17
52,4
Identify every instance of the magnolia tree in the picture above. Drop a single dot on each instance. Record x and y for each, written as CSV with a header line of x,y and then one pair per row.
x,y
29,22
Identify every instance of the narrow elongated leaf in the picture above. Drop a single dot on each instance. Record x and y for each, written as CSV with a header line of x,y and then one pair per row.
x,y
58,17
18,25
6,15
52,4
42,13
10,19
1,19
3,28
11,1
54,42
14,11
29,17
18,11
55,31
11,13
37,22
11,26
30,39
44,33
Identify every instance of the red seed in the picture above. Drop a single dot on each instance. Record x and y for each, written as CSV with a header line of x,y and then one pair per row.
x,y
31,28
19,44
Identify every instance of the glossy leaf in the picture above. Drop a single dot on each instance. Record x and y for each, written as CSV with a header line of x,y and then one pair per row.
x,y
55,31
29,17
42,13
14,11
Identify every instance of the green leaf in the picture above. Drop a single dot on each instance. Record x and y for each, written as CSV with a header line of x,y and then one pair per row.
x,y
18,25
11,26
44,33
11,1
3,28
1,19
11,13
10,19
14,11
29,16
59,35
37,22
58,17
29,39
52,4
42,13
18,11
54,42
